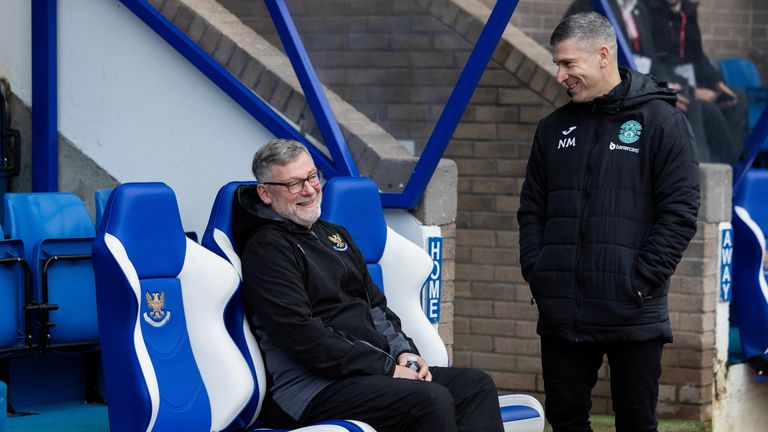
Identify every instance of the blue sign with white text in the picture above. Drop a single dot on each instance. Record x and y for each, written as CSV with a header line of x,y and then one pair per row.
x,y
432,287
726,261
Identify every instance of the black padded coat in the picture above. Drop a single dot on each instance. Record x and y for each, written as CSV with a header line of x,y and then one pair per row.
x,y
609,204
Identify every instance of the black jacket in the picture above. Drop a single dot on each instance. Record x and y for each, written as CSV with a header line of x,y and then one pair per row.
x,y
311,303
609,204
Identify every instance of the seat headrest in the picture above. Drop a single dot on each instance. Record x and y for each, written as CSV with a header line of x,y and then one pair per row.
x,y
221,213
145,218
355,204
37,216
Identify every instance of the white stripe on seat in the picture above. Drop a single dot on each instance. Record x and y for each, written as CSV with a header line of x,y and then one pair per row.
x,y
118,251
207,284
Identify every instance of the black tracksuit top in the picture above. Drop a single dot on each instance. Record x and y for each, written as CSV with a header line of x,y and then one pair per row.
x,y
311,303
608,206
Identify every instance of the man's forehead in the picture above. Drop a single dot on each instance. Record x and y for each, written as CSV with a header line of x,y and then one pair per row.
x,y
570,49
298,168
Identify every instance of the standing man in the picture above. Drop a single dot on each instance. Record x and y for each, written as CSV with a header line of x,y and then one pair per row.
x,y
609,204
332,347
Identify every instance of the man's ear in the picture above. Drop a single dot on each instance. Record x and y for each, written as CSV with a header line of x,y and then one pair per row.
x,y
604,54
264,193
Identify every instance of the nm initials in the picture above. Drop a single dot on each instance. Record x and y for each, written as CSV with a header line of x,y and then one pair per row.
x,y
567,142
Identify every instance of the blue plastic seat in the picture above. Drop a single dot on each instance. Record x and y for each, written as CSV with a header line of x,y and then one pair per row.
x,y
15,286
169,364
743,74
57,234
749,302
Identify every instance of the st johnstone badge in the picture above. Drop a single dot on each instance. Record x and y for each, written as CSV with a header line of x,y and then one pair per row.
x,y
338,242
157,316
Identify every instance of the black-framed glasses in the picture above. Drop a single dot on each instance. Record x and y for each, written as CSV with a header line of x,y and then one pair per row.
x,y
296,186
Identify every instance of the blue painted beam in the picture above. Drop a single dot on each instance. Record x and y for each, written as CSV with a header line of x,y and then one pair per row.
x,y
313,90
625,53
45,128
454,108
757,141
229,84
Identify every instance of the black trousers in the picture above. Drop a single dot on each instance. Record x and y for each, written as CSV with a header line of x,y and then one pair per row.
x,y
457,399
570,372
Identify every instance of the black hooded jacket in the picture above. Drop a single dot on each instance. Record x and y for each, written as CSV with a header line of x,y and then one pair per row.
x,y
609,204
311,303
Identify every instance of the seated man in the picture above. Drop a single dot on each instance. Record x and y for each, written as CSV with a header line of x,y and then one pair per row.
x,y
332,347
678,42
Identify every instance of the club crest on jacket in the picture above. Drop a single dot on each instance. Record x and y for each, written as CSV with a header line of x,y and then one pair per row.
x,y
338,242
630,131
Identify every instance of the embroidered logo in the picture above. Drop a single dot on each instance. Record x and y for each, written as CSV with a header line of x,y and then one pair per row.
x,y
157,317
569,130
338,242
630,132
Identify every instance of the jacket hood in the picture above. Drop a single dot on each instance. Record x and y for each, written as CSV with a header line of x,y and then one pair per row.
x,y
635,89
249,213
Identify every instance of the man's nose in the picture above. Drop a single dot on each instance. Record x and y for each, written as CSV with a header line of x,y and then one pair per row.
x,y
561,75
306,188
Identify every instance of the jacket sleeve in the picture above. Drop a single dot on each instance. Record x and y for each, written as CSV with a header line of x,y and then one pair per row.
x,y
531,216
387,323
676,194
273,279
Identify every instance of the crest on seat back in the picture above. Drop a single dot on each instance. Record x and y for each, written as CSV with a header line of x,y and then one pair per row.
x,y
156,316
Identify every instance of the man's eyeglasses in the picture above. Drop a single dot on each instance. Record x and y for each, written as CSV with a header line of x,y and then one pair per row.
x,y
296,186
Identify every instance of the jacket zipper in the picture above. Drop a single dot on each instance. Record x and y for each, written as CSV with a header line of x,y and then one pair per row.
x,y
580,240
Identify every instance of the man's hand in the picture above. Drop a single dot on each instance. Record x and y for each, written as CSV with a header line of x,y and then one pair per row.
x,y
731,99
705,94
401,371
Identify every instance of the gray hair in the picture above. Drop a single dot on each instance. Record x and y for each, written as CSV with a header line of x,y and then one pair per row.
x,y
275,152
589,29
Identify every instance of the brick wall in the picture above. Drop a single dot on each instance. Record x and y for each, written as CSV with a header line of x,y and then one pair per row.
x,y
736,28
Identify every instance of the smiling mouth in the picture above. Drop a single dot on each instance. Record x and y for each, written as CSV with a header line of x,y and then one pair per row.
x,y
571,86
306,203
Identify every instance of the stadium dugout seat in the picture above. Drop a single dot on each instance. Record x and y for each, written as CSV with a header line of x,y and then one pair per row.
x,y
396,263
749,302
169,362
743,74
15,289
57,234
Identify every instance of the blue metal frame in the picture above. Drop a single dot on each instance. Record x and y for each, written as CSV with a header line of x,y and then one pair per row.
x,y
756,141
454,108
231,85
45,129
313,90
625,54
